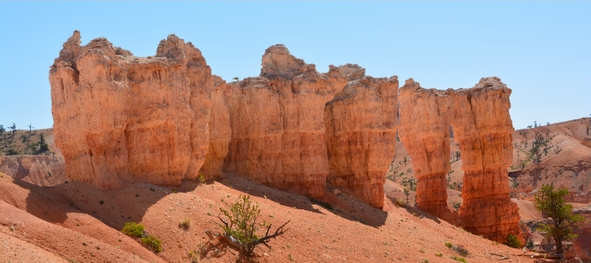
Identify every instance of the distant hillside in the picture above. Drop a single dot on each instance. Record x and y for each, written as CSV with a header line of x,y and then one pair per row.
x,y
33,142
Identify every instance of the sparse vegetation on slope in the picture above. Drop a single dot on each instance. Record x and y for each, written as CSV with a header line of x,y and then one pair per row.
x,y
240,225
136,230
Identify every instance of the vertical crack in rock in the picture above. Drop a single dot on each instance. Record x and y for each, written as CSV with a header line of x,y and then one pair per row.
x,y
220,131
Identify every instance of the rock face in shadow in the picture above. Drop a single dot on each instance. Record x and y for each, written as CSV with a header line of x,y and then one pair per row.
x,y
277,120
482,127
360,127
122,118
220,131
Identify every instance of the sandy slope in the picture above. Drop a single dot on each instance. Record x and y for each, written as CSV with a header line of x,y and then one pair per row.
x,y
59,220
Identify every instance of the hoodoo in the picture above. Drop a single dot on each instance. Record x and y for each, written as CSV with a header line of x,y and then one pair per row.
x,y
482,127
361,132
161,119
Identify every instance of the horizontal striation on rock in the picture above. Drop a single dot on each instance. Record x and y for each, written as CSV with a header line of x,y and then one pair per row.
x,y
361,133
482,127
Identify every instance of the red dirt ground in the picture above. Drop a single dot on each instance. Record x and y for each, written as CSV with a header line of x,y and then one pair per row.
x,y
70,222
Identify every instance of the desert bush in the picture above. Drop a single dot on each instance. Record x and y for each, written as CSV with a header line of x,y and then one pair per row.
x,y
459,249
240,225
133,229
459,259
152,243
513,241
202,178
194,256
185,224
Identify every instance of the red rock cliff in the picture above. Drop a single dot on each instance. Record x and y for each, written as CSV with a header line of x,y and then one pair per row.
x,y
161,119
123,118
482,127
277,120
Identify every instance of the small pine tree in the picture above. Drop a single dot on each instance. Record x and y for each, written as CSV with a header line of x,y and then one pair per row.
x,y
43,147
552,204
240,225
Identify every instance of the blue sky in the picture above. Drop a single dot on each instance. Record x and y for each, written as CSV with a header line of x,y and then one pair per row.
x,y
540,49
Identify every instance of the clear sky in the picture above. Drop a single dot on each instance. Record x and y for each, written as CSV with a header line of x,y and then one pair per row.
x,y
540,49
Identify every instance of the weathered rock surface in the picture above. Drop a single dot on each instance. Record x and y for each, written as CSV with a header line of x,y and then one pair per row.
x,y
118,117
277,120
43,170
482,128
424,131
162,119
360,131
220,131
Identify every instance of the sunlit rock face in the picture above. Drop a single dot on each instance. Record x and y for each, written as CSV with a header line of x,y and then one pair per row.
x,y
277,120
123,118
482,127
120,118
424,131
361,132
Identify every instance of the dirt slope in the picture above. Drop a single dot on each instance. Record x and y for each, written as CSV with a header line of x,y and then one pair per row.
x,y
59,220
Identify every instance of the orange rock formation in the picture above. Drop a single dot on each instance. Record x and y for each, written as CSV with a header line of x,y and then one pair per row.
x,y
277,120
161,119
360,127
118,117
482,127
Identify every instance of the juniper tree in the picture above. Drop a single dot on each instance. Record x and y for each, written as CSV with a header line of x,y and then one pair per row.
x,y
551,203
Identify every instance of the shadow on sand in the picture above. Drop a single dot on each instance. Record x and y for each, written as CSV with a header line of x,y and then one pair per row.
x,y
130,203
416,211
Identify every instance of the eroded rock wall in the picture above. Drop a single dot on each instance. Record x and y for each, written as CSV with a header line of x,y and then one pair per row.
x,y
123,118
482,128
220,131
360,130
165,118
424,131
277,120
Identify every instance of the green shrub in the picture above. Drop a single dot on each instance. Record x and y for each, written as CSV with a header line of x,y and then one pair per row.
x,y
152,243
513,241
240,223
448,245
133,229
439,254
459,259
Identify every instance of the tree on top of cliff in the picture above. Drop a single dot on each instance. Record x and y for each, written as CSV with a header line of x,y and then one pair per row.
x,y
551,203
